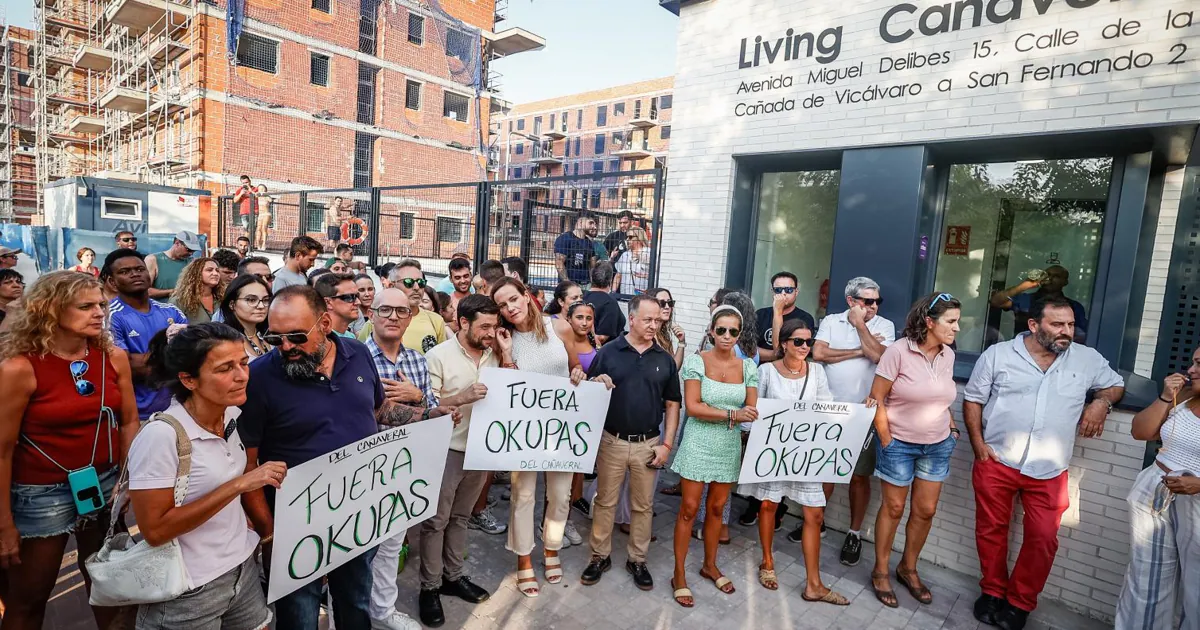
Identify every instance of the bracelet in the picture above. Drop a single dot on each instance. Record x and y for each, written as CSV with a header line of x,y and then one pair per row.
x,y
1164,399
266,539
1110,405
510,366
729,415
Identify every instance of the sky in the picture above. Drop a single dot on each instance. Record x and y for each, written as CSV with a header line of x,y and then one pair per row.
x,y
590,44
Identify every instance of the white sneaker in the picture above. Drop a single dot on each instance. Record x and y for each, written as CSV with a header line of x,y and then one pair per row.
x,y
572,535
395,621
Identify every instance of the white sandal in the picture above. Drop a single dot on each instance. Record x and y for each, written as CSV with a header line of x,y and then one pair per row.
x,y
527,583
554,573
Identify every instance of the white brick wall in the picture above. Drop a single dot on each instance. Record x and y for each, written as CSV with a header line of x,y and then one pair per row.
x,y
707,135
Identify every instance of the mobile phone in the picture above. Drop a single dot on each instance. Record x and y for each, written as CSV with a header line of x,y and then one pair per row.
x,y
85,489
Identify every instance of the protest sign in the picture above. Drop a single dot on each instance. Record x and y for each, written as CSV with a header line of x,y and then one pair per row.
x,y
804,440
531,421
336,507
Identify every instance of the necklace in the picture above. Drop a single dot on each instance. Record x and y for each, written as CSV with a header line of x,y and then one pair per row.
x,y
254,347
803,368
86,351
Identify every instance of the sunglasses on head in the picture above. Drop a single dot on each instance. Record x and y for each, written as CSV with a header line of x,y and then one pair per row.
x,y
869,301
83,387
295,338
666,303
941,297
783,290
721,331
796,341
349,298
409,282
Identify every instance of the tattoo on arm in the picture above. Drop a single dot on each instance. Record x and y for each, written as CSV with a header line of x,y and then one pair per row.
x,y
396,415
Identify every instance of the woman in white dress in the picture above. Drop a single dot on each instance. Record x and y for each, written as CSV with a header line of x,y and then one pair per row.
x,y
792,377
634,265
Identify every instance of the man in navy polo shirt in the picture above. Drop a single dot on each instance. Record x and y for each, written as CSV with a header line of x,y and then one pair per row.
x,y
316,392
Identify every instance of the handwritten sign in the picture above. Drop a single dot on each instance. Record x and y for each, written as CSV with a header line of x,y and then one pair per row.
x,y
336,507
531,421
805,441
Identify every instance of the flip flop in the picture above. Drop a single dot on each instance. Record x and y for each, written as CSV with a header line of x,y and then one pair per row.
x,y
887,598
527,583
721,582
698,534
681,593
554,573
830,597
767,578
921,594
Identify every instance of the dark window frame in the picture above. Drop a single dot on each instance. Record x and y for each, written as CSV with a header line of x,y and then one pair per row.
x,y
448,97
416,35
322,5
244,53
314,68
409,86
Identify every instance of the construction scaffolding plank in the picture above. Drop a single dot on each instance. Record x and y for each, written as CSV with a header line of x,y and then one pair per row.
x,y
91,57
127,100
139,15
86,124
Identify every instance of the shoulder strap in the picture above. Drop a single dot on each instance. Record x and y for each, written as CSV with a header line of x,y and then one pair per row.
x,y
183,446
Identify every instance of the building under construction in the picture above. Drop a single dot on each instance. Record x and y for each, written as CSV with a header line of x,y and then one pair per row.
x,y
18,169
296,94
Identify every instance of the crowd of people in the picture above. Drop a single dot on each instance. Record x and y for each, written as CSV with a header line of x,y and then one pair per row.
x,y
108,374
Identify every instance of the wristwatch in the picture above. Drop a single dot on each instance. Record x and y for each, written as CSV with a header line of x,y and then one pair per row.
x,y
1106,402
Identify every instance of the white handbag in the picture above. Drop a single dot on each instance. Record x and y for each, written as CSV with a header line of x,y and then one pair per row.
x,y
125,573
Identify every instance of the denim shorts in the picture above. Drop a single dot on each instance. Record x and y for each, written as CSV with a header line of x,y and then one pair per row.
x,y
43,511
231,601
899,461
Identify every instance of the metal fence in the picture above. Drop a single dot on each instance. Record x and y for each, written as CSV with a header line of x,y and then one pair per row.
x,y
487,220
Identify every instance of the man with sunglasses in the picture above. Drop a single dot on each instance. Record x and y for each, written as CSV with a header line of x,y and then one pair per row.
x,y
134,319
784,286
341,301
8,257
302,255
315,393
850,344
257,266
125,240
427,329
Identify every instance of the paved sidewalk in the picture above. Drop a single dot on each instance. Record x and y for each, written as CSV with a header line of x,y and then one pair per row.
x,y
615,603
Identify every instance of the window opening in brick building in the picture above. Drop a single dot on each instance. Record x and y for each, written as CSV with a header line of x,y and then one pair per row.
x,y
567,149
407,226
367,22
521,124
518,172
618,139
258,53
314,221
665,101
520,149
595,198
577,140
321,5
637,109
579,120
598,166
460,45
561,196
416,28
564,122
412,94
318,69
516,195
601,115
364,157
574,196
610,193
537,125
665,132
551,122
450,230
454,106
599,143
366,94
618,109
614,165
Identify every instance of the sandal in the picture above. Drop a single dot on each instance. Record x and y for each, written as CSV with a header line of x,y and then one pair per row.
x,y
920,593
527,583
720,581
830,597
888,597
683,593
554,573
767,578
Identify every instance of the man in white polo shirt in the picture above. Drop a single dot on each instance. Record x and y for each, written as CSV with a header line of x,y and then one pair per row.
x,y
850,344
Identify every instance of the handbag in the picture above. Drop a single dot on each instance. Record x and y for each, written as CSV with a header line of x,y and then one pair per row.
x,y
126,573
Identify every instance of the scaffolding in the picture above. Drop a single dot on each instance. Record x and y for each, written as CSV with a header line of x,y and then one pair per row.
x,y
6,126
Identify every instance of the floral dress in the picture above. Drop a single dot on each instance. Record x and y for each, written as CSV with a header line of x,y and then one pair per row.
x,y
711,451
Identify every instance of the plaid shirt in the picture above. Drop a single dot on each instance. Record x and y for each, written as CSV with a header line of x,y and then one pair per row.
x,y
409,363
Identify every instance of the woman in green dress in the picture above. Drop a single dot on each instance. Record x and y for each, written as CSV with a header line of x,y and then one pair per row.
x,y
721,391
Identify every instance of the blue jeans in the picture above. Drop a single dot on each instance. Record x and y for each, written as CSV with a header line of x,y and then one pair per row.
x,y
899,461
350,587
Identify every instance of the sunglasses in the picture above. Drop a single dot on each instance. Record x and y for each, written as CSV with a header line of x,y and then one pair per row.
x,y
269,277
410,282
129,239
783,290
296,338
666,303
400,312
348,298
941,297
82,387
253,301
870,301
721,331
798,342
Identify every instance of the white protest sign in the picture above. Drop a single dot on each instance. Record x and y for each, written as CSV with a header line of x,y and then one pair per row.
x,y
531,421
334,508
804,440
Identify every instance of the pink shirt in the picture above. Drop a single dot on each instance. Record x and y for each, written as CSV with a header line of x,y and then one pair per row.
x,y
918,407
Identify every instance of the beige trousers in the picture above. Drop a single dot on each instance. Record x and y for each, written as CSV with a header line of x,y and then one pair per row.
x,y
520,514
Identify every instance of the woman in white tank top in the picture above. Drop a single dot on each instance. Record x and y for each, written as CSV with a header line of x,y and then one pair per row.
x,y
1164,512
529,343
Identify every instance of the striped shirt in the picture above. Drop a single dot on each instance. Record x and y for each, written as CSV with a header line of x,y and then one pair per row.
x,y
409,366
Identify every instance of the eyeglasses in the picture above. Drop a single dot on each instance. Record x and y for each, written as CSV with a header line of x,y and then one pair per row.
x,y
666,303
253,301
870,301
409,282
295,338
129,239
269,277
783,290
721,331
83,387
941,297
796,341
400,312
348,298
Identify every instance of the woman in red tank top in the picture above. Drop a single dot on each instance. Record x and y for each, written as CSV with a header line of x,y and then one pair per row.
x,y
66,405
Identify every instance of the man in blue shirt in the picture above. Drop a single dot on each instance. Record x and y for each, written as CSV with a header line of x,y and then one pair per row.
x,y
134,319
315,393
574,253
1049,284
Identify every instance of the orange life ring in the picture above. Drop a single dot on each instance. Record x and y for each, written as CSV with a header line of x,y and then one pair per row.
x,y
362,231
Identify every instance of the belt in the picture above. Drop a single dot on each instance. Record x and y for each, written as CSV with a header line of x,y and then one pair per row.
x,y
634,437
1163,466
